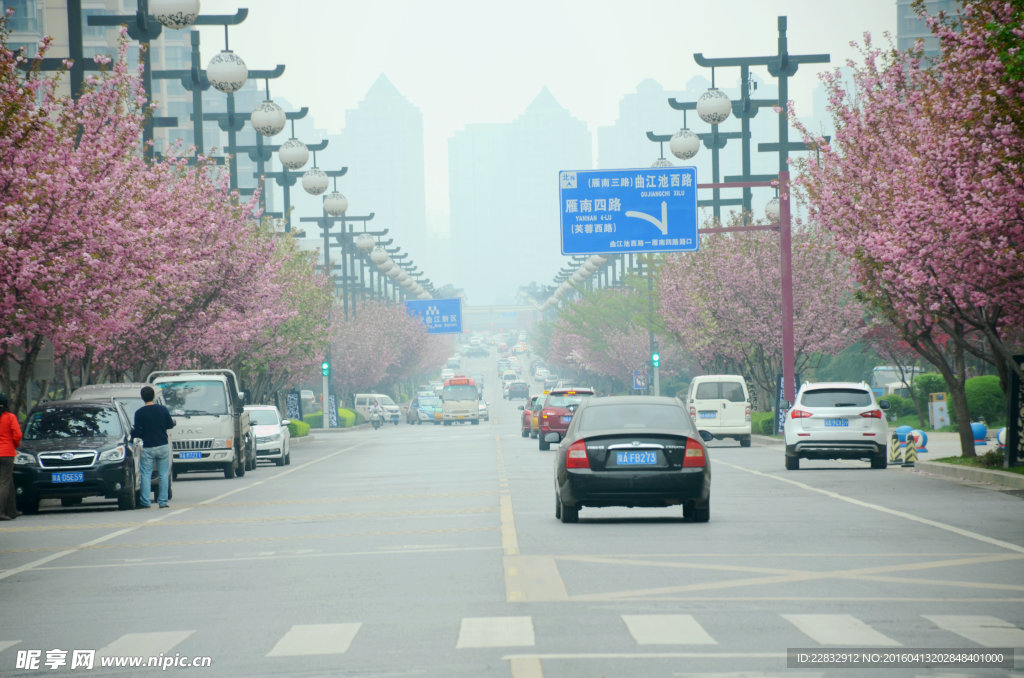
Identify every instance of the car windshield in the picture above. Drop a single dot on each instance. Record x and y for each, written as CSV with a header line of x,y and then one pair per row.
x,y
264,418
655,417
564,399
385,401
72,422
461,392
428,401
720,390
195,397
836,397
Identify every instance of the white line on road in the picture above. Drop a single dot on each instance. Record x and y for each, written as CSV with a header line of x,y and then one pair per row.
x,y
144,644
666,629
839,629
54,556
495,632
984,630
315,639
883,509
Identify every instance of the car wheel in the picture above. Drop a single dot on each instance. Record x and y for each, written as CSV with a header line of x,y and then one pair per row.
x,y
542,444
792,463
28,506
558,506
174,474
70,501
880,461
570,514
288,456
280,460
745,441
229,469
697,514
240,466
526,433
126,502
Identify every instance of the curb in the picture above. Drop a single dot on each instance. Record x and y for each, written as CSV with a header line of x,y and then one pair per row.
x,y
999,479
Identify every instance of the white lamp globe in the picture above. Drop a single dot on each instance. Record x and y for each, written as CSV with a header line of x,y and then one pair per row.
x,y
578,277
335,204
589,267
425,296
378,255
315,181
684,144
227,72
662,162
394,272
268,118
386,265
714,106
365,242
772,210
597,260
174,13
293,154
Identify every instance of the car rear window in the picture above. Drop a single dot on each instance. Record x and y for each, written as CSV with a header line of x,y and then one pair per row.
x,y
565,399
720,390
653,417
836,397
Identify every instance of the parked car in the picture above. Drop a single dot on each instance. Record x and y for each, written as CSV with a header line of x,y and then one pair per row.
x,y
557,412
518,389
632,451
720,404
273,437
73,449
836,420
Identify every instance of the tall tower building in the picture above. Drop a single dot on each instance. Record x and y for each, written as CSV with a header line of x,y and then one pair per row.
x,y
909,27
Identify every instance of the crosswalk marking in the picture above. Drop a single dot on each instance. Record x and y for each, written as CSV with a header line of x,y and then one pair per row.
x,y
838,629
144,644
495,632
666,629
315,639
4,644
983,630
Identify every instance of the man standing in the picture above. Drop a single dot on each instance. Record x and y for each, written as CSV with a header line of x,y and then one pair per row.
x,y
152,422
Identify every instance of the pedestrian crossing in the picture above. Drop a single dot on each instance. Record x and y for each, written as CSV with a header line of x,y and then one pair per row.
x,y
642,630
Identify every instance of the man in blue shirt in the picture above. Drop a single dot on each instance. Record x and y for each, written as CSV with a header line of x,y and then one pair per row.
x,y
152,421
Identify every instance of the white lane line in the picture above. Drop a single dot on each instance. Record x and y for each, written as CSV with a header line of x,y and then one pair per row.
x,y
315,639
839,629
983,630
495,632
54,556
666,629
528,667
144,644
4,644
883,509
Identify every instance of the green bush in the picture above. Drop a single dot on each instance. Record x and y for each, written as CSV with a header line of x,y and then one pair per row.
x,y
762,423
899,406
985,399
346,418
315,420
298,428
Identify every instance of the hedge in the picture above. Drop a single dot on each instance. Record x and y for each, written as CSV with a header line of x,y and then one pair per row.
x,y
762,423
298,428
346,418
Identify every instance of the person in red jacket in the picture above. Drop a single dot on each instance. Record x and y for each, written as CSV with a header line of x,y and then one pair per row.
x,y
10,438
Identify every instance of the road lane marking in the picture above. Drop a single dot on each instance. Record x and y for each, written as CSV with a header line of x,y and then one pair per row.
x,y
94,542
526,667
839,629
666,629
144,644
476,632
983,630
883,509
532,579
315,639
509,538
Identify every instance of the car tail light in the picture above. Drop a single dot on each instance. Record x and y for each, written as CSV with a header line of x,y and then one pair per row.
x,y
576,456
693,412
746,414
694,455
799,414
872,414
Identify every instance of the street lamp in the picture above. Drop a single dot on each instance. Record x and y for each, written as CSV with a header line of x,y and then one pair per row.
x,y
175,13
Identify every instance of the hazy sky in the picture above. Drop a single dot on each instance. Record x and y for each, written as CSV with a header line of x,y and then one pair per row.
x,y
472,61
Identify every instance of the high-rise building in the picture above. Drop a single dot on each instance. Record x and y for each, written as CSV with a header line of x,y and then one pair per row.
x,y
503,182
910,27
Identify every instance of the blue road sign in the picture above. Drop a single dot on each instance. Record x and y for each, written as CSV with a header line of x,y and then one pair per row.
x,y
441,316
650,209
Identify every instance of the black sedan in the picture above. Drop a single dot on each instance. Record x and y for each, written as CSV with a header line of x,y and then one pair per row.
x,y
632,451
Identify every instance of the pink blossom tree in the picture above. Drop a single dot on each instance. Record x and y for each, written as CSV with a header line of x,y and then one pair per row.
x,y
922,189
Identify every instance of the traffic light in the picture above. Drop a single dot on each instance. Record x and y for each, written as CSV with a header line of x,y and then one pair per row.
x,y
655,358
325,368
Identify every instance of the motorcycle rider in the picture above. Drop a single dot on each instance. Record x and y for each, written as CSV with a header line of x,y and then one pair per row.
x,y
376,414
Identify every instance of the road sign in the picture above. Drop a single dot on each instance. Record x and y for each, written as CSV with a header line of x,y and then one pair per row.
x,y
651,209
441,316
639,381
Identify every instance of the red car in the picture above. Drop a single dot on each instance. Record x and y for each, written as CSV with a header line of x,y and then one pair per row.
x,y
557,412
527,410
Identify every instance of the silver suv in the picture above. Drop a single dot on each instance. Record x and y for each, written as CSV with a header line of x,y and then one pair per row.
x,y
836,420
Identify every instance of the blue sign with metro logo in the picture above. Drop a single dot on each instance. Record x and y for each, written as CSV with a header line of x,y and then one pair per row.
x,y
650,209
441,316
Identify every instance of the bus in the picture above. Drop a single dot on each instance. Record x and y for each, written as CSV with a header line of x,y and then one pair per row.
x,y
460,401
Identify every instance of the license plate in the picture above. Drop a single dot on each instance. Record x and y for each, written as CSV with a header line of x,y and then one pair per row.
x,y
639,458
196,454
68,477
837,423
566,420
708,414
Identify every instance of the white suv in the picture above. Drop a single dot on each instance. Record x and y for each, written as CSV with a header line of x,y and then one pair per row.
x,y
836,420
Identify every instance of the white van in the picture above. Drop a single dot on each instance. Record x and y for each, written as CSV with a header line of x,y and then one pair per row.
x,y
720,405
363,401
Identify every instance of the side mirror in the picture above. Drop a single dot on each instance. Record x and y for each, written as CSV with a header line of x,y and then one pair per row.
x,y
521,408
884,404
785,404
706,436
286,422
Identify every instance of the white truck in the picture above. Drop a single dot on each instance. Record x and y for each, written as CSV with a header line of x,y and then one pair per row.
x,y
211,427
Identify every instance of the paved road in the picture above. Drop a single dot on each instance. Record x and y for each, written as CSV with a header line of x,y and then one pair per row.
x,y
434,551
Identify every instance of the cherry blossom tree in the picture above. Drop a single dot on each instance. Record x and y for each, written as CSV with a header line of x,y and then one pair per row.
x,y
922,189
